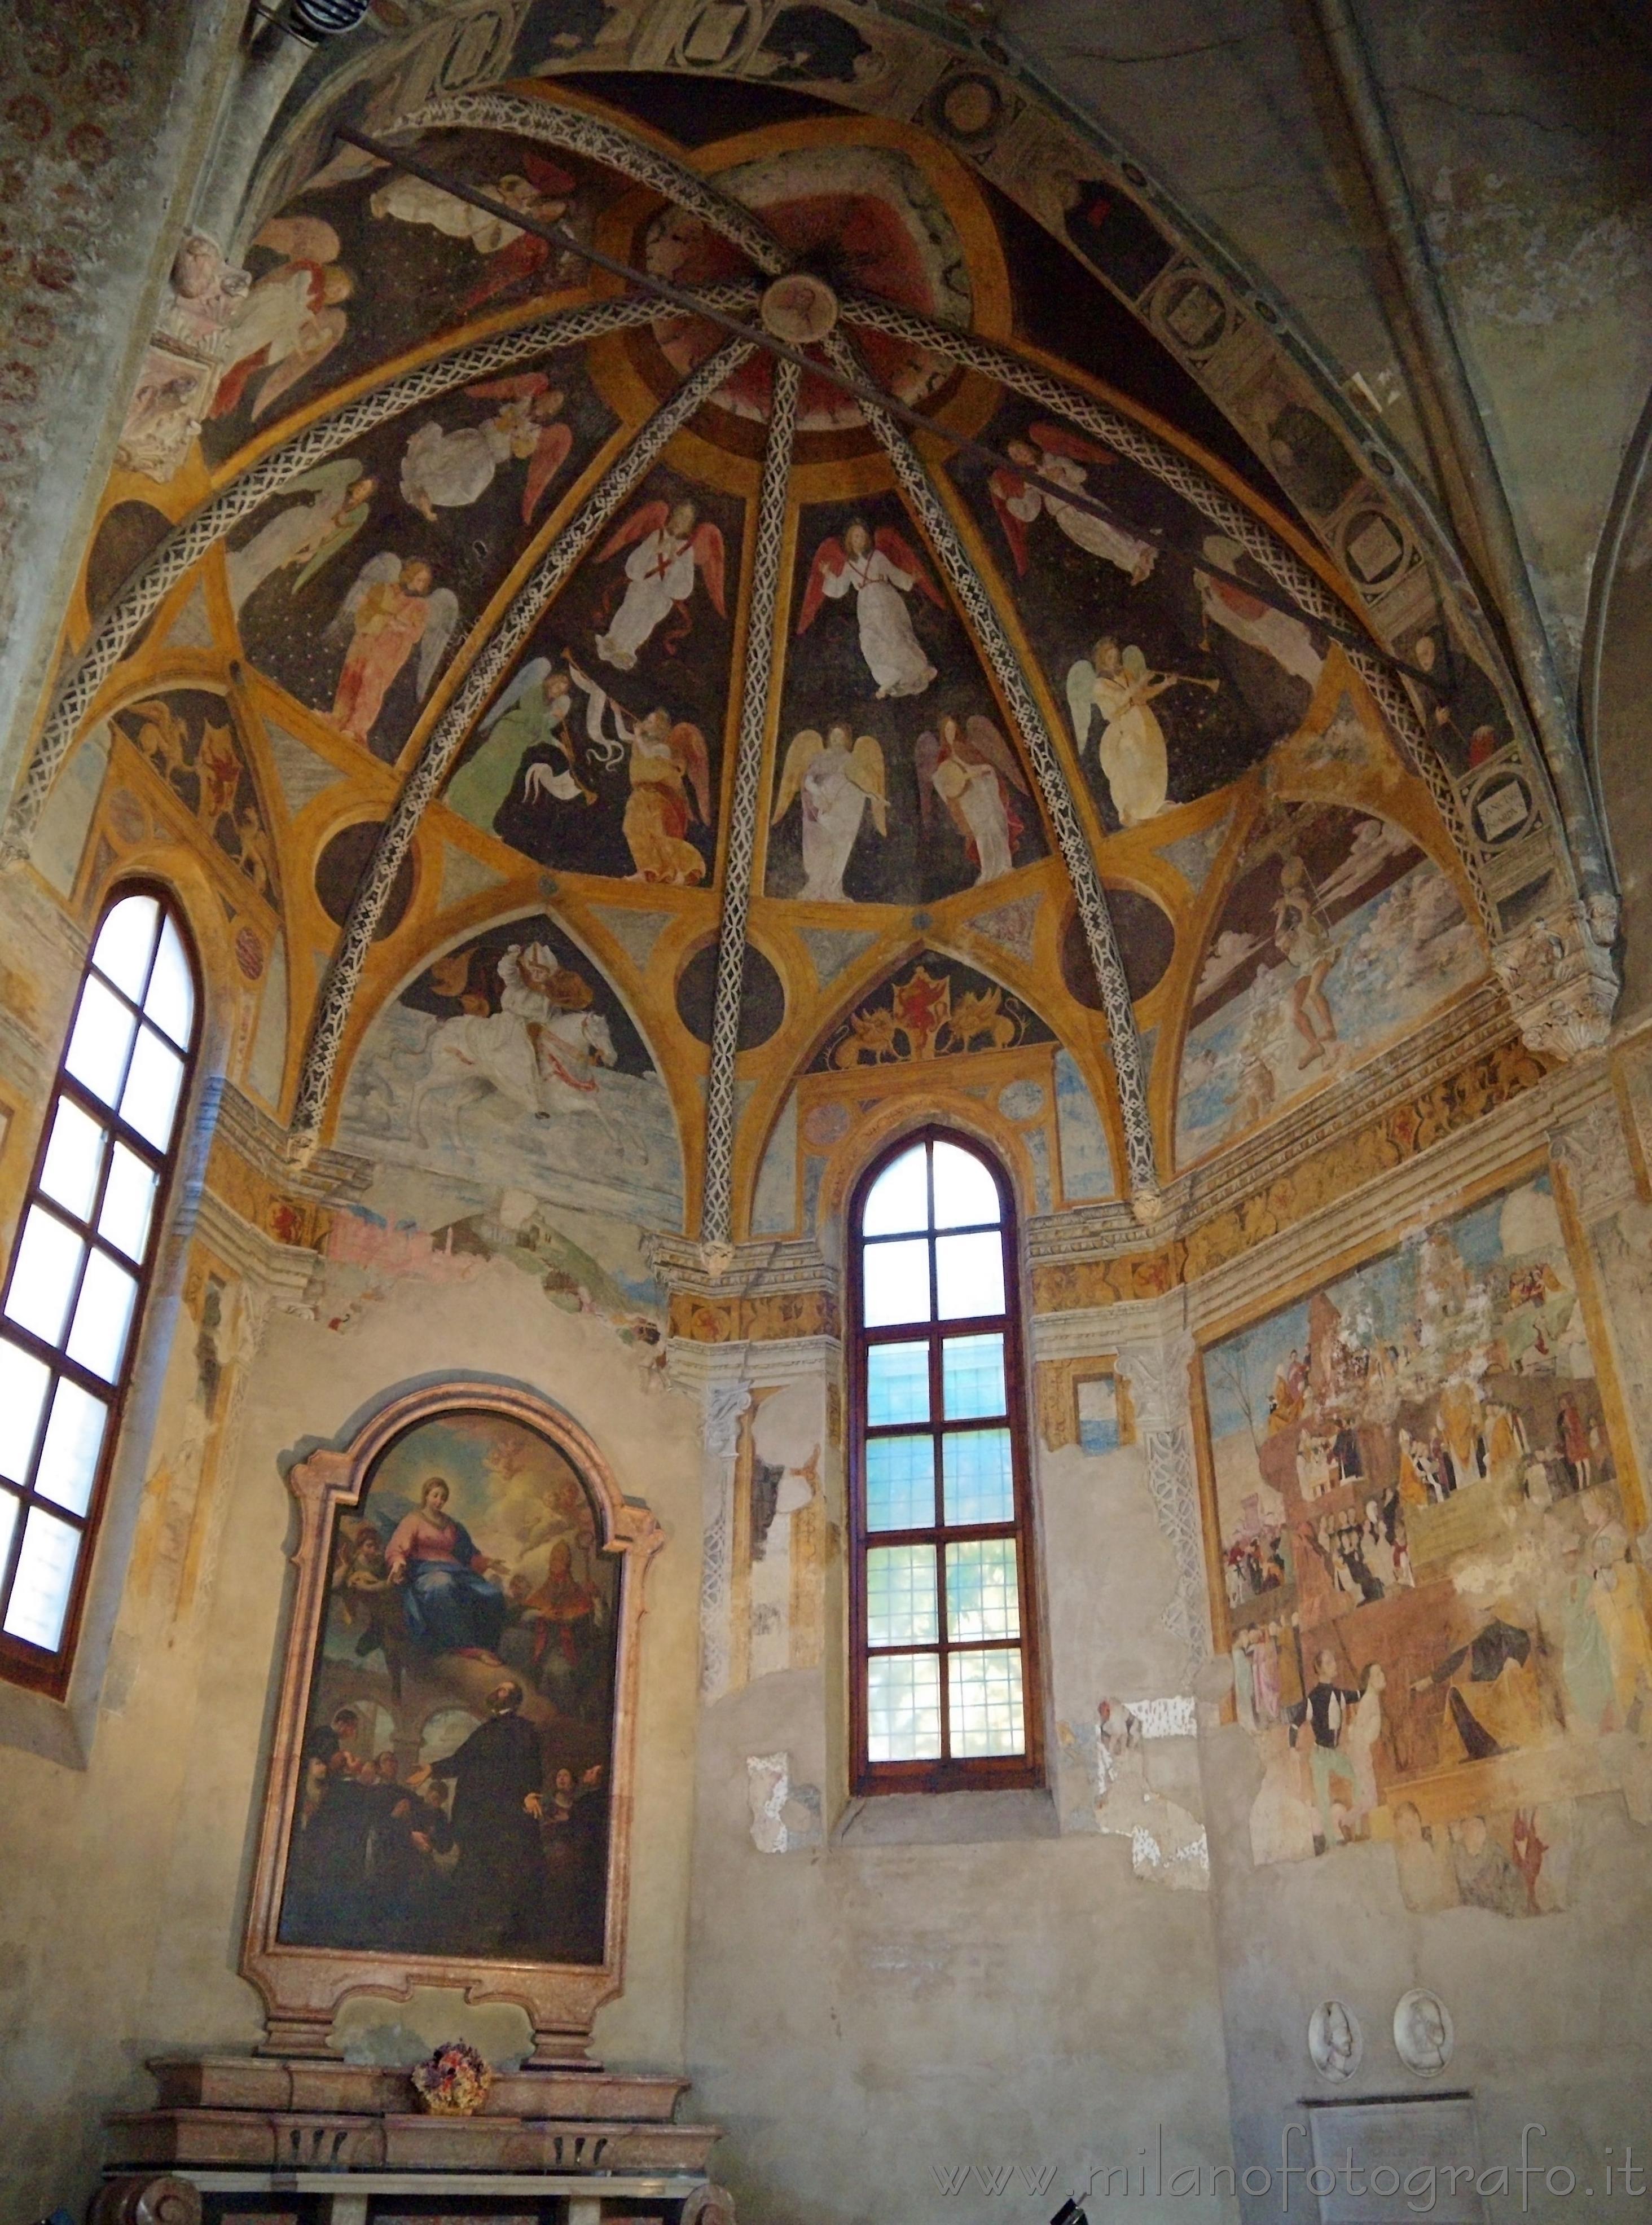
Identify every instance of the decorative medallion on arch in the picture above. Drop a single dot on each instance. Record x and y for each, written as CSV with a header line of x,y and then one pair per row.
x,y
450,1788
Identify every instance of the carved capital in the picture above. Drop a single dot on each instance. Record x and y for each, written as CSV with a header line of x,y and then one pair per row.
x,y
1561,983
720,1426
1157,1374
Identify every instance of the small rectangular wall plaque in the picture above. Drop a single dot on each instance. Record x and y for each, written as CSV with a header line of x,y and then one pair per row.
x,y
1413,2150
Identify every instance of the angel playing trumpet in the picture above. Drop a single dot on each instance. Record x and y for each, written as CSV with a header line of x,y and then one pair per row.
x,y
835,779
1132,749
1054,452
880,570
670,781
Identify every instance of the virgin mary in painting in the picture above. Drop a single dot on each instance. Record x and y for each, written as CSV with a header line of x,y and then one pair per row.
x,y
458,1744
453,1605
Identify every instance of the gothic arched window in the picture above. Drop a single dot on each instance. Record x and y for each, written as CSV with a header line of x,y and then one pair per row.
x,y
945,1685
80,1268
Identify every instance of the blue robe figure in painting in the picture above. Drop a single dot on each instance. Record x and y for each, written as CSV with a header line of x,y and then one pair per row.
x,y
453,1605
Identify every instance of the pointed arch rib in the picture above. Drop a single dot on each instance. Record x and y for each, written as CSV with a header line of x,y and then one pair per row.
x,y
448,736
716,1192
1123,1045
189,541
1184,477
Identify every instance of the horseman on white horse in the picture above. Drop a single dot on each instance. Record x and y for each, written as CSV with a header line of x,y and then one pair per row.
x,y
540,1050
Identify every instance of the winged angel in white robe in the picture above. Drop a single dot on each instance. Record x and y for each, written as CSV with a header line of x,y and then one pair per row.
x,y
880,571
670,550
836,779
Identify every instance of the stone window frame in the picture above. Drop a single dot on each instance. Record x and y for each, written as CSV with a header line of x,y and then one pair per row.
x,y
1017,1774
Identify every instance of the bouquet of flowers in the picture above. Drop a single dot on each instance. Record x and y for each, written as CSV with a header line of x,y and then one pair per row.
x,y
454,2082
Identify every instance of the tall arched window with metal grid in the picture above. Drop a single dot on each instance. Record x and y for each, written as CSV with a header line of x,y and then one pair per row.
x,y
944,1693
81,1270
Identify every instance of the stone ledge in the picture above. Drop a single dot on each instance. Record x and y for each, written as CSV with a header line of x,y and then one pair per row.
x,y
938,1819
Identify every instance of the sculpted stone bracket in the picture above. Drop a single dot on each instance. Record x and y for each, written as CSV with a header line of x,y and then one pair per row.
x,y
303,1986
1562,983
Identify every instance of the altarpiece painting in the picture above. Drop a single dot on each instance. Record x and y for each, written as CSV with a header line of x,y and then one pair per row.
x,y
453,1750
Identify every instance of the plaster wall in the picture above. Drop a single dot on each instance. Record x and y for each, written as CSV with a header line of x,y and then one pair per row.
x,y
1550,2016
1522,131
107,124
925,1993
126,1880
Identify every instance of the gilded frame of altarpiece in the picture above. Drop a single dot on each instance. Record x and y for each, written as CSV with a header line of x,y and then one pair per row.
x,y
303,1985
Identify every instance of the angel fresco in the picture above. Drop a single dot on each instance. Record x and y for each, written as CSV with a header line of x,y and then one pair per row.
x,y
834,779
974,772
450,471
670,781
393,608
879,570
1132,749
291,319
511,256
1056,453
532,714
670,549
1276,633
307,533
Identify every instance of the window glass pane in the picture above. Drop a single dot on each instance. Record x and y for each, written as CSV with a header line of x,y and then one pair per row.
x,y
901,1608
903,1707
972,1376
984,1691
68,1458
42,1275
898,1200
74,1158
895,1283
965,1193
123,944
150,1096
171,1001
969,1275
103,1314
901,1483
980,1482
40,1592
897,1383
102,1038
981,1595
24,1381
128,1201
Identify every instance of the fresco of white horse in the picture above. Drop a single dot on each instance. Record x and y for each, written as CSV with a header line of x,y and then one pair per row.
x,y
535,1052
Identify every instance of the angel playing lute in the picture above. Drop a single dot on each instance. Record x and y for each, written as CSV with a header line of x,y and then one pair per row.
x,y
974,772
393,608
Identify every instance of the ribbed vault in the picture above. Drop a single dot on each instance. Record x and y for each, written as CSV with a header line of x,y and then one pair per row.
x,y
693,545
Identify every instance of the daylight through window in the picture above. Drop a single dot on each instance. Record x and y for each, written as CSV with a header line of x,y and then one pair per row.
x,y
944,1680
85,1244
